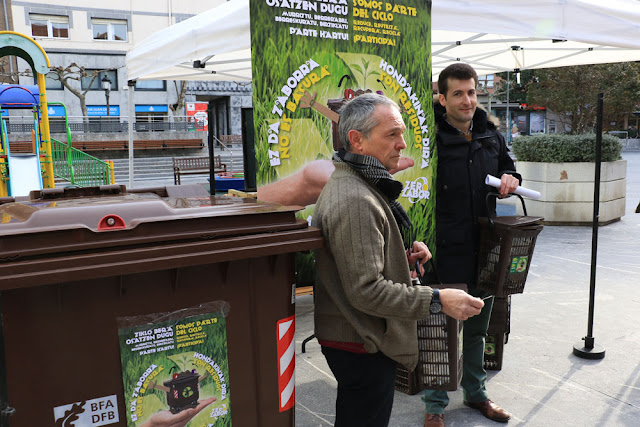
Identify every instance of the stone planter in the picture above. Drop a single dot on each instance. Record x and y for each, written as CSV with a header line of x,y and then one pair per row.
x,y
567,191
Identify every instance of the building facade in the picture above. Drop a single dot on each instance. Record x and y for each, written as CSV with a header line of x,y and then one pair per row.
x,y
88,42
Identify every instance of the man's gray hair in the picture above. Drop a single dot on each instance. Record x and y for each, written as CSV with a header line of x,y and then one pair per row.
x,y
357,114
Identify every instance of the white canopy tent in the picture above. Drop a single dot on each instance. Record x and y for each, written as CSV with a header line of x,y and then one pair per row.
x,y
218,38
498,35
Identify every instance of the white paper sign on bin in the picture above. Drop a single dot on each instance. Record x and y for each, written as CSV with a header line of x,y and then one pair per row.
x,y
495,182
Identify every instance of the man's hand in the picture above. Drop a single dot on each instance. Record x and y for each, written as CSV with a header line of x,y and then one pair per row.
x,y
459,304
508,184
418,252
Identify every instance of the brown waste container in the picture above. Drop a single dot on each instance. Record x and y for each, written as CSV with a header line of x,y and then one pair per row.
x,y
69,266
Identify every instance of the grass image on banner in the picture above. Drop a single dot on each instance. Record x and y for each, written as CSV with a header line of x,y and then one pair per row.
x,y
330,52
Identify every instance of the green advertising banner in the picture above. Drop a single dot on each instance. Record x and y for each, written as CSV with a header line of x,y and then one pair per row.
x,y
308,58
175,369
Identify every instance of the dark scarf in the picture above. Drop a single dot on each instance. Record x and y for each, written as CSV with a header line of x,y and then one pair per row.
x,y
372,170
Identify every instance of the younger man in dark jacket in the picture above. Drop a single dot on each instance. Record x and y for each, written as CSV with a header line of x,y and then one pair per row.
x,y
469,147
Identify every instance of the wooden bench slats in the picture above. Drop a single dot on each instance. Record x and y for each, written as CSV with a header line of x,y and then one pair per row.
x,y
304,290
195,166
21,147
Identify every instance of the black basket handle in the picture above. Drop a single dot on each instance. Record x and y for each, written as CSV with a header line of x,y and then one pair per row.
x,y
496,195
433,267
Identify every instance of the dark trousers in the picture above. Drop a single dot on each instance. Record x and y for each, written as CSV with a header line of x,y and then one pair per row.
x,y
366,384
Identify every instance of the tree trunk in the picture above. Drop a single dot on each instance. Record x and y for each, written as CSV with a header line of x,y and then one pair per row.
x,y
83,106
181,94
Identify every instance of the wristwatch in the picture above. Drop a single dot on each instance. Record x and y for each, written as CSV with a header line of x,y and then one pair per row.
x,y
436,305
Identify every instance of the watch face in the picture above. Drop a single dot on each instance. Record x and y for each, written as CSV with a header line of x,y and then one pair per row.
x,y
435,308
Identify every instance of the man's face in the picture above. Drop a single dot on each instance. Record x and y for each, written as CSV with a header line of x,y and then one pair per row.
x,y
460,101
385,141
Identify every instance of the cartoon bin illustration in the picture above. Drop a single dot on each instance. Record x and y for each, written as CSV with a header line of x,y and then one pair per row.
x,y
182,390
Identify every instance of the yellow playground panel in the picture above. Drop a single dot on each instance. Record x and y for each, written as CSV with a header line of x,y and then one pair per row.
x,y
16,44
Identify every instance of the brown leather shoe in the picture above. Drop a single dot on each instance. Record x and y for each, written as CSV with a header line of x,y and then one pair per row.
x,y
490,410
434,420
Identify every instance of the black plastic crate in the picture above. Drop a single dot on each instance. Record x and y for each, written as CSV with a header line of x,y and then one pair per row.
x,y
500,316
407,381
440,359
497,333
440,354
506,249
494,351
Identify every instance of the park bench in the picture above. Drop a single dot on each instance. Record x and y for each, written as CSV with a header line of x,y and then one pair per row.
x,y
195,166
21,147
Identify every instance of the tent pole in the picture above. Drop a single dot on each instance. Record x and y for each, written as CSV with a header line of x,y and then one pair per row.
x,y
212,167
508,117
588,349
131,84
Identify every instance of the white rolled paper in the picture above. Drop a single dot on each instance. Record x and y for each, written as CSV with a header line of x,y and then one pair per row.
x,y
495,182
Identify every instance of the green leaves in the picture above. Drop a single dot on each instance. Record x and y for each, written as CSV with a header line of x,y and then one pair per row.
x,y
565,148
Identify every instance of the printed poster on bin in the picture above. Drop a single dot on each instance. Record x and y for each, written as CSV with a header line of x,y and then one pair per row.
x,y
308,58
175,369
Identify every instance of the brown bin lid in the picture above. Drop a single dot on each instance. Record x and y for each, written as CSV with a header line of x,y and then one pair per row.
x,y
513,221
37,231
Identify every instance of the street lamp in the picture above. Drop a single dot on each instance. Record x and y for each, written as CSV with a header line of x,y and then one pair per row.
x,y
106,85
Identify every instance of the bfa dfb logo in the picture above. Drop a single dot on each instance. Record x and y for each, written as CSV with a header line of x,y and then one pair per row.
x,y
97,412
416,190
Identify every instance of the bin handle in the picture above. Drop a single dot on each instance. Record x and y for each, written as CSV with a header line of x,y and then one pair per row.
x,y
495,194
8,411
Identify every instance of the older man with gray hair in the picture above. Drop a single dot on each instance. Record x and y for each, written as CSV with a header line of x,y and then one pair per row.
x,y
365,305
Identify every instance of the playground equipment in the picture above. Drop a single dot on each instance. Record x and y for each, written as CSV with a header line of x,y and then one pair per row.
x,y
76,166
24,167
36,168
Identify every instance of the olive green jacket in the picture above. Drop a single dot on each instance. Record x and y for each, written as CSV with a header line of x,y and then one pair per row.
x,y
363,291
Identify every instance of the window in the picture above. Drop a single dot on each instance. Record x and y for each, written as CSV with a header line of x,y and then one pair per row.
x,y
109,29
536,121
49,26
97,82
157,85
150,117
52,82
485,82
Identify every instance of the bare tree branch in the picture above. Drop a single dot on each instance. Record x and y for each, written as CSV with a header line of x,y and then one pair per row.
x,y
75,72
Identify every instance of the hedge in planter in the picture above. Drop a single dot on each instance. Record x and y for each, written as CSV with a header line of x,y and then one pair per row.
x,y
565,148
561,168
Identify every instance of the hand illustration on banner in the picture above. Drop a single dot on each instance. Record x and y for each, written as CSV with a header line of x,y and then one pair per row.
x,y
167,419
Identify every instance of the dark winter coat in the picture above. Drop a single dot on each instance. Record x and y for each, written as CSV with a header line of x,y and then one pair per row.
x,y
461,191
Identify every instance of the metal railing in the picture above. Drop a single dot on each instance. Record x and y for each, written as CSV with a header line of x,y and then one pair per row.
x,y
19,124
78,167
211,86
226,147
